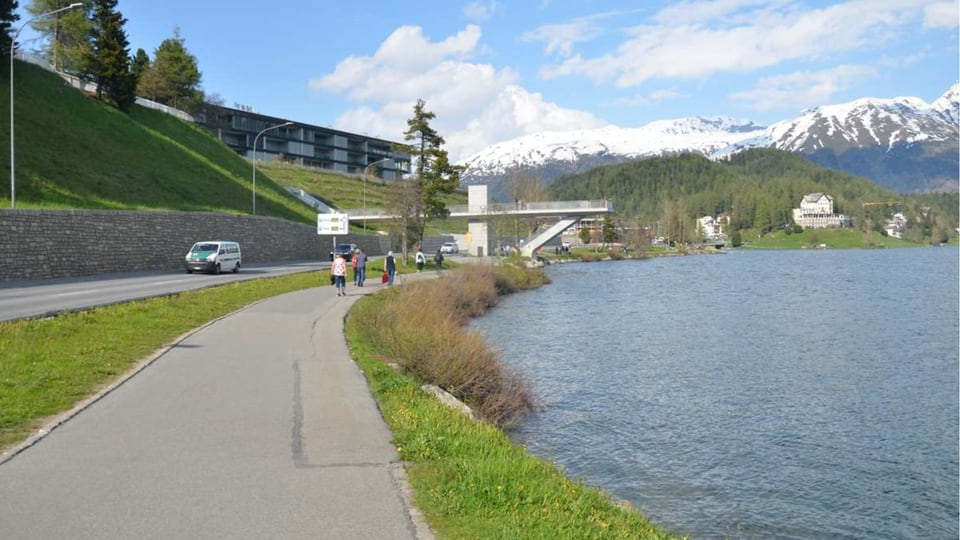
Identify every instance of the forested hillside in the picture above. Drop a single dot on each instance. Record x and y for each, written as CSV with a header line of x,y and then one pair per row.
x,y
757,189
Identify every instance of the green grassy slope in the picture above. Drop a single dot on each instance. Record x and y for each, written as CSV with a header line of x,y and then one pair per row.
x,y
351,192
74,152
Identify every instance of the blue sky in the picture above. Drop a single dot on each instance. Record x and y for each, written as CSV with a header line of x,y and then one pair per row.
x,y
494,70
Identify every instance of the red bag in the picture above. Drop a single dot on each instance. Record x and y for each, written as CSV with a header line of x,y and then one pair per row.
x,y
384,278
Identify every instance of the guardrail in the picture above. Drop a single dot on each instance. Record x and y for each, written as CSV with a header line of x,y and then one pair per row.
x,y
91,87
519,208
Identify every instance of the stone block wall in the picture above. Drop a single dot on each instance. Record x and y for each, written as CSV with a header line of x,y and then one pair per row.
x,y
41,244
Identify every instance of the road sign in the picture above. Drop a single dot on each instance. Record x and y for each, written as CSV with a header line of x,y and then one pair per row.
x,y
333,224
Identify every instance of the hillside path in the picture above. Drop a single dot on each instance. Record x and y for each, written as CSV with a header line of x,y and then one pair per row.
x,y
258,425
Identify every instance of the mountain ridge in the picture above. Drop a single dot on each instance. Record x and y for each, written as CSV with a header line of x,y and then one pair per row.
x,y
902,143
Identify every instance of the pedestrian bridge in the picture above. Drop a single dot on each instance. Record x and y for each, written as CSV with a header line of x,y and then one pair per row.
x,y
480,212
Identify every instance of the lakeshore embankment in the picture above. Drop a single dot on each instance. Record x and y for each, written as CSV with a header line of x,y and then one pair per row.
x,y
470,479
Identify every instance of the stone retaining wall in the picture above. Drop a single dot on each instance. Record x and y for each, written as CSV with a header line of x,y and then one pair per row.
x,y
40,244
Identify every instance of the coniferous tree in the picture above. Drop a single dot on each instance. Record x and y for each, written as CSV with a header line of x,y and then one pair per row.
x,y
138,64
66,36
436,176
109,61
8,16
173,78
608,230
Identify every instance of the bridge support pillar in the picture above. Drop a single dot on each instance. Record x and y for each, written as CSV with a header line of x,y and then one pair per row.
x,y
478,233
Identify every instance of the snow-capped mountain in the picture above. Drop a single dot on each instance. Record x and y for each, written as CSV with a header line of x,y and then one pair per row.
x,y
902,143
567,150
865,123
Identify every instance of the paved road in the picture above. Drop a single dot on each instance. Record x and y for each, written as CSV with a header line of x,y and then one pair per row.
x,y
256,426
19,299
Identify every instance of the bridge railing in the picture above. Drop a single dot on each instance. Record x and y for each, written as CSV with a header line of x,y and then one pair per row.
x,y
519,207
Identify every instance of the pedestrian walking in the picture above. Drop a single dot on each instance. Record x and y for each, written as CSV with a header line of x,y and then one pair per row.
x,y
421,260
339,271
353,264
361,267
390,267
438,259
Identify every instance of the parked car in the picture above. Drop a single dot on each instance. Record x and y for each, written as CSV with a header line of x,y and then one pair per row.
x,y
343,249
213,256
449,247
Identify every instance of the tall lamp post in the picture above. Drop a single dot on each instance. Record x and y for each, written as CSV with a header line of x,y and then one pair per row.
x,y
264,130
365,172
13,43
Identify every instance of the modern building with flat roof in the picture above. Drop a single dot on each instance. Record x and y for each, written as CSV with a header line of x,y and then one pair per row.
x,y
304,144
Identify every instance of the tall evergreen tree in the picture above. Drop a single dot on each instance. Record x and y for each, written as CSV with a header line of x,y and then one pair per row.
x,y
174,76
138,64
8,16
609,230
109,61
66,36
436,176
424,137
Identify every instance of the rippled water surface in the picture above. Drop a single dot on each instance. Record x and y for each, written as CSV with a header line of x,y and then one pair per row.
x,y
796,394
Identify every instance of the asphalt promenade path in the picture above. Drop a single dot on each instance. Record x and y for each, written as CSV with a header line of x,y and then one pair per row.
x,y
258,425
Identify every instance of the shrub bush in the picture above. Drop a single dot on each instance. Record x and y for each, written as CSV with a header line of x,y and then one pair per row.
x,y
421,327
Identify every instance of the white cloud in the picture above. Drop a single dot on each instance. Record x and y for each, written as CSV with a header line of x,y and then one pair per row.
x,y
515,112
561,38
803,89
700,38
475,104
651,98
705,11
479,11
941,15
662,95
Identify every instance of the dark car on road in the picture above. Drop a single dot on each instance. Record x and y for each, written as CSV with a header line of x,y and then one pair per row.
x,y
343,249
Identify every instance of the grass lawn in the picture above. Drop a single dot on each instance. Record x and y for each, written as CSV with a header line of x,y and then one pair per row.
x,y
75,152
48,365
830,238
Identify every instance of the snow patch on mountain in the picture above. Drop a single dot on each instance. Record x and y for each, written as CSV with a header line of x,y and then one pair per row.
x,y
699,134
948,105
903,143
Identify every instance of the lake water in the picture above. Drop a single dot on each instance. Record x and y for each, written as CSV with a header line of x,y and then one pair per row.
x,y
771,394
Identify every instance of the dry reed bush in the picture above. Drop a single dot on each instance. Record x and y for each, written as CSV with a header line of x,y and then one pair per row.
x,y
472,289
422,326
514,278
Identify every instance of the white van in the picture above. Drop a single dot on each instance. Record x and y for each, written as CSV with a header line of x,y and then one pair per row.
x,y
213,256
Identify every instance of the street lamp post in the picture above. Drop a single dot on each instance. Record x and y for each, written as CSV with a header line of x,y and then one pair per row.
x,y
264,130
365,172
13,43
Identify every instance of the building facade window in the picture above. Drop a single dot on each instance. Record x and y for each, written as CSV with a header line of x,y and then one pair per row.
x,y
307,145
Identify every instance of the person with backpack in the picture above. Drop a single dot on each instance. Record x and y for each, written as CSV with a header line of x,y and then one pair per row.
x,y
390,267
420,259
